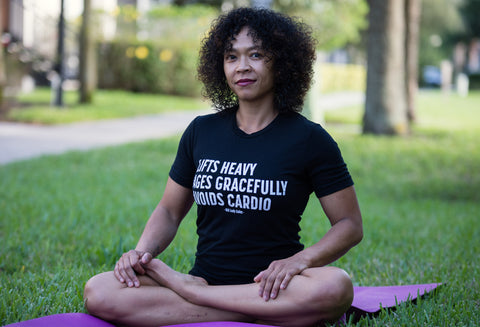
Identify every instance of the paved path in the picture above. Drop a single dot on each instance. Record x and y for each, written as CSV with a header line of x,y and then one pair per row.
x,y
25,141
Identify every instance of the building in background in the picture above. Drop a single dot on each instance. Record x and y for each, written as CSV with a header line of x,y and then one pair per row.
x,y
30,36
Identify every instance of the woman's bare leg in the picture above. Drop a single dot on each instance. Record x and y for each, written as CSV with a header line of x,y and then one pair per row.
x,y
148,305
316,294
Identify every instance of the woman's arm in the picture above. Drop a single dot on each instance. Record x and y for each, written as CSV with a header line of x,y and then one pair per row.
x,y
158,233
343,211
165,219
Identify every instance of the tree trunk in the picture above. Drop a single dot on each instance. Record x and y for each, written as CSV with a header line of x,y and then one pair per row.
x,y
88,67
3,78
385,103
57,82
412,19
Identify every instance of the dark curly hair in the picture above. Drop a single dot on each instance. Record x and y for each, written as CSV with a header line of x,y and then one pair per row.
x,y
285,40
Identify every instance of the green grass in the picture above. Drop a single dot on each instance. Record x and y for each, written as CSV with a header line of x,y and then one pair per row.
x,y
65,218
35,107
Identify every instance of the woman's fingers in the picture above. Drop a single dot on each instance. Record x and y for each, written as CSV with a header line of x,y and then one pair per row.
x,y
129,265
277,277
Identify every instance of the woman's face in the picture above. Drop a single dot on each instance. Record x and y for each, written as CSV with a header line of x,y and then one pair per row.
x,y
249,70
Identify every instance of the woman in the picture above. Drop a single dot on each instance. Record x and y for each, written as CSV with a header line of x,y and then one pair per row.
x,y
250,168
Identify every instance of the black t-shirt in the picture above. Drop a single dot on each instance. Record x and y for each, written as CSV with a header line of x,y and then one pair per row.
x,y
251,189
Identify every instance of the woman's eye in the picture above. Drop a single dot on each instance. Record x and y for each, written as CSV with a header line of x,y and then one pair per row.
x,y
256,55
230,57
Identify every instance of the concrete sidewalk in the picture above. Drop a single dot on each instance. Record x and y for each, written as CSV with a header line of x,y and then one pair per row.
x,y
24,141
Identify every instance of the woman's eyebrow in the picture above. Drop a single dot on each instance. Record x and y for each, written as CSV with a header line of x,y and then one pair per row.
x,y
252,48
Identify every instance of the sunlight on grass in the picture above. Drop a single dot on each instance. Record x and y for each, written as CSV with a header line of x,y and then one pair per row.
x,y
67,217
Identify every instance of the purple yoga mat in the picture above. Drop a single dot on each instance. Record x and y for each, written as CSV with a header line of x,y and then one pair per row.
x,y
64,320
220,324
367,300
85,320
371,299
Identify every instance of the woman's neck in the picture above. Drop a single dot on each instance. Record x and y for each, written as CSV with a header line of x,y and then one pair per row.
x,y
252,118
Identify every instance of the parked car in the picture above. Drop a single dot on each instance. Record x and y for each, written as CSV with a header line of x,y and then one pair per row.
x,y
432,76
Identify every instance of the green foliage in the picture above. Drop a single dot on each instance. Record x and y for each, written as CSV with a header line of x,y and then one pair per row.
x,y
334,23
182,26
469,10
166,61
440,23
182,12
65,218
13,69
148,67
35,107
126,21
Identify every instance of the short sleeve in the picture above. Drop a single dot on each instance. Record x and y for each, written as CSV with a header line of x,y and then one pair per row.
x,y
183,168
328,172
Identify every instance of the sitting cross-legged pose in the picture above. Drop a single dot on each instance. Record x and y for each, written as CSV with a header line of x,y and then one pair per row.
x,y
250,168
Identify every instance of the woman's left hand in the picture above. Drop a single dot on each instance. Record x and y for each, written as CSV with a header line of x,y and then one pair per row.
x,y
278,275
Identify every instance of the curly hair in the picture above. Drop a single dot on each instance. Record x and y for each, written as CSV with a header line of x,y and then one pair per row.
x,y
285,40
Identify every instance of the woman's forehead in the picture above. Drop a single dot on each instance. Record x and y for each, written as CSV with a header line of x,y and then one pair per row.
x,y
245,35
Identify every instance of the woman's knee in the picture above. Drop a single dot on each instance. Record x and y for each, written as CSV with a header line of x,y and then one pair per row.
x,y
332,292
344,288
99,295
339,292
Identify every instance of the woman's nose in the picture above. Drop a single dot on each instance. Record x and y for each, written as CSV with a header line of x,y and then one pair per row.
x,y
243,64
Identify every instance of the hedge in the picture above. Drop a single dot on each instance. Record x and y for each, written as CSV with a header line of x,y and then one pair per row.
x,y
148,67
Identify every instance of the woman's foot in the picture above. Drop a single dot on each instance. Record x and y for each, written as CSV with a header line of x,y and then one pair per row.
x,y
183,284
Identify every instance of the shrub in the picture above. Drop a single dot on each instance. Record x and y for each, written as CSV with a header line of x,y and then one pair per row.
x,y
164,63
148,67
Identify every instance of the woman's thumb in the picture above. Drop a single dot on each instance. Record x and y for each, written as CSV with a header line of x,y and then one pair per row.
x,y
146,258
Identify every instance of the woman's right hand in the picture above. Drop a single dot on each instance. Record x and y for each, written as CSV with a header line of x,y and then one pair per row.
x,y
129,265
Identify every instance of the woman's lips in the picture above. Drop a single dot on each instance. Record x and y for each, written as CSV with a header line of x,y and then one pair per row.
x,y
245,82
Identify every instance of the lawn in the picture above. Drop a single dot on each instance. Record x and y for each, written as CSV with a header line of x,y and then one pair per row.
x,y
35,107
65,218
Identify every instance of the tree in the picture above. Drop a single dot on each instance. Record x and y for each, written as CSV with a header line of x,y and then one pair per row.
x,y
412,21
470,10
58,82
440,25
385,103
87,69
3,78
334,23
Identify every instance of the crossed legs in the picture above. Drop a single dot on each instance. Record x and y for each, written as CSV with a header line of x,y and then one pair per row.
x,y
169,297
148,305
